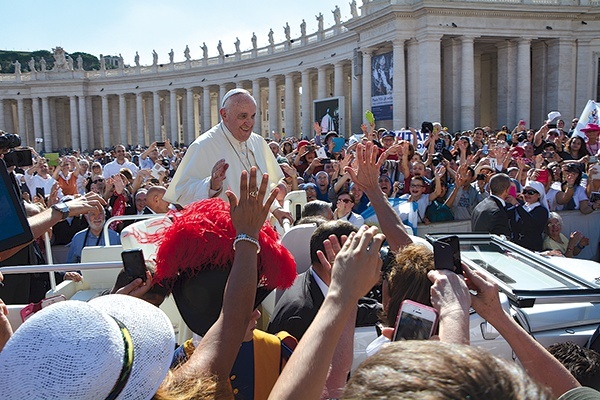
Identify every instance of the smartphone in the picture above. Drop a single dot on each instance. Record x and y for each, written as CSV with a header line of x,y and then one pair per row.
x,y
593,159
446,254
325,161
485,149
594,197
160,144
40,191
134,264
415,321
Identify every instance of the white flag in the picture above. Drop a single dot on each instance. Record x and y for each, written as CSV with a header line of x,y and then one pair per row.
x,y
590,115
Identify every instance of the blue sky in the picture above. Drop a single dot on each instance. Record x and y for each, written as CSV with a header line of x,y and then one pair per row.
x,y
113,26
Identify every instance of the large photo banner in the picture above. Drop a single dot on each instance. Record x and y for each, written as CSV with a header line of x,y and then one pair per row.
x,y
382,86
329,113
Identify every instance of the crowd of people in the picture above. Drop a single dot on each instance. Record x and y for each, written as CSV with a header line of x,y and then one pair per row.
x,y
219,191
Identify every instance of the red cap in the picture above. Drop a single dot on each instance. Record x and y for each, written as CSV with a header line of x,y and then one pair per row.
x,y
303,143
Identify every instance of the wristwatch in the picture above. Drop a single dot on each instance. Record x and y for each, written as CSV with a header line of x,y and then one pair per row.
x,y
63,209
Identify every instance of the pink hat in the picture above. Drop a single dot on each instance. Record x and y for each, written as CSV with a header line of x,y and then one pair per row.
x,y
591,128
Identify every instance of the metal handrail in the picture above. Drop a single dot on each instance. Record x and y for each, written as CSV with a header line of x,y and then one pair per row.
x,y
33,269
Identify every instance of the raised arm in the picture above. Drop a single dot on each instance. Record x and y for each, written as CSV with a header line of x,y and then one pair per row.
x,y
366,176
538,363
356,269
218,349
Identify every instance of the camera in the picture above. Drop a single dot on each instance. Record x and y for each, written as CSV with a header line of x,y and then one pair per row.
x,y
521,137
9,140
436,159
166,163
480,177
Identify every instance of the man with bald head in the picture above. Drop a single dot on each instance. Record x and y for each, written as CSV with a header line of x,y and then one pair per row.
x,y
214,161
155,203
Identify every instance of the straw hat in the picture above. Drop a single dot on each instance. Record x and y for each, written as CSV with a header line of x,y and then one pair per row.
x,y
114,346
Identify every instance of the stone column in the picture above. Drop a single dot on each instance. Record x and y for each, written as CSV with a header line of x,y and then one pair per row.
x,y
506,82
257,97
585,74
322,82
139,118
467,85
338,79
523,79
123,119
412,84
37,122
451,54
399,90
430,80
222,93
366,81
105,122
173,113
2,126
306,105
290,107
357,111
189,109
46,124
565,68
206,120
273,106
21,118
156,116
75,141
83,129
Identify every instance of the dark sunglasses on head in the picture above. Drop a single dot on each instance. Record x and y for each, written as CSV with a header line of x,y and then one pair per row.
x,y
530,192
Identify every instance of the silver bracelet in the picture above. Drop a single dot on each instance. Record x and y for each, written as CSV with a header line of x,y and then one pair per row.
x,y
246,238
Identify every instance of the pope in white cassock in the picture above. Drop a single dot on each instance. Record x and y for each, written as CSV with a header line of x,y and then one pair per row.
x,y
215,160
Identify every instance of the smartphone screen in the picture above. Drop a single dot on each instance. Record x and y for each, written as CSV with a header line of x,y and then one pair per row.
x,y
160,144
134,264
40,192
415,321
446,254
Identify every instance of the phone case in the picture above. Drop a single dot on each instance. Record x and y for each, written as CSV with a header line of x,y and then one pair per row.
x,y
32,308
415,327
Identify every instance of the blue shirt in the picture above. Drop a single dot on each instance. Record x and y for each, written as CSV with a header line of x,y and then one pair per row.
x,y
86,238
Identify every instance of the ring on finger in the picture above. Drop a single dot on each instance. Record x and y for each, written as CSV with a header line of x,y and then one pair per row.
x,y
254,193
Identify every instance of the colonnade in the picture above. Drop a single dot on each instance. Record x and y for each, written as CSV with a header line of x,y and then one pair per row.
x,y
479,70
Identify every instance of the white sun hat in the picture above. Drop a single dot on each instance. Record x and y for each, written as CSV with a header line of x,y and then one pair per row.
x,y
78,350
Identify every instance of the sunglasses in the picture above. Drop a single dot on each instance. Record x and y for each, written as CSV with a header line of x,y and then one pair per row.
x,y
530,192
98,180
345,200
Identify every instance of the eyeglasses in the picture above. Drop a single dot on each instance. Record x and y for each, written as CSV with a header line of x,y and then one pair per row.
x,y
530,192
345,200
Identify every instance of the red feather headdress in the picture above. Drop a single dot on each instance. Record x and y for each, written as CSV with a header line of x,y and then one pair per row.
x,y
201,238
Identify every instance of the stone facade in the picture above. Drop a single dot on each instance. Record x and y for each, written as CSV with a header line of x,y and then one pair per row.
x,y
463,63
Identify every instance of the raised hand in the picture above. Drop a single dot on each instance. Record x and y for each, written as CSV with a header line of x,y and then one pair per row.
x,y
365,173
217,175
357,267
248,213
